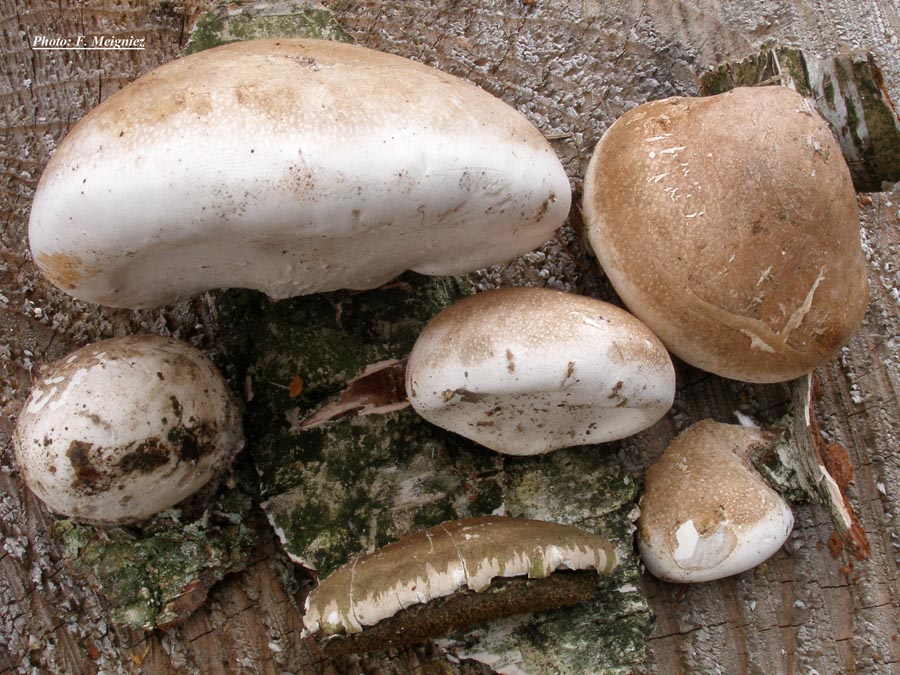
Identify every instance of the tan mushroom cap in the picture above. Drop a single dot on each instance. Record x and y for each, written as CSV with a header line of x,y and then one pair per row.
x,y
705,512
528,370
290,167
437,562
729,225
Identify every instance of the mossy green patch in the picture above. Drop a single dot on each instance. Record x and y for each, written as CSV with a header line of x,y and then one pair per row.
x,y
772,65
157,577
370,480
793,69
264,20
881,120
207,33
351,484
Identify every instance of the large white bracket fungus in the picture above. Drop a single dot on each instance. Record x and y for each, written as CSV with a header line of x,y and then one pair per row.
x,y
729,226
525,371
457,563
706,513
124,428
290,167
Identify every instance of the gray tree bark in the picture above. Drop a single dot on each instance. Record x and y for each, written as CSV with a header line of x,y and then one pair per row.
x,y
572,68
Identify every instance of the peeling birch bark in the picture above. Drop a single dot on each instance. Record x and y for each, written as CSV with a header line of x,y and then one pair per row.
x,y
817,467
379,389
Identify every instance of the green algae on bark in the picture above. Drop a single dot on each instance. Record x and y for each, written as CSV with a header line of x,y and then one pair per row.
x,y
155,578
254,20
365,481
357,482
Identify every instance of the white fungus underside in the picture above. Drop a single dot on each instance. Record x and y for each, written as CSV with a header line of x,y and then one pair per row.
x,y
314,197
527,399
726,550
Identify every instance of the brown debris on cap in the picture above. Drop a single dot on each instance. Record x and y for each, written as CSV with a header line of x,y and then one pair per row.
x,y
525,371
124,428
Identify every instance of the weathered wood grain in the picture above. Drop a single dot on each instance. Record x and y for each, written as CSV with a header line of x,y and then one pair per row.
x,y
572,68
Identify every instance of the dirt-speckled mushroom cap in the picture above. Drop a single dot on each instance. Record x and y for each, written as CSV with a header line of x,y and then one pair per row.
x,y
124,428
705,512
435,563
525,371
290,167
729,226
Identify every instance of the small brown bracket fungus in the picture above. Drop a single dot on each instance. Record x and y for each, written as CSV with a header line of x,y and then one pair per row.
x,y
455,575
705,512
729,225
124,428
290,167
525,371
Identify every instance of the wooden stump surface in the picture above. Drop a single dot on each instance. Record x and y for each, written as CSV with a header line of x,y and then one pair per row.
x,y
572,68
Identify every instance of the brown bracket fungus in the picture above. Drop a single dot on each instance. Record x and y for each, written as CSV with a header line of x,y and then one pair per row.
x,y
124,428
290,167
729,225
524,371
455,575
705,512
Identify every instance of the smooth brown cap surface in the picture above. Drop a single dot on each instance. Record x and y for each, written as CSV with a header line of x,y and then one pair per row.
x,y
729,225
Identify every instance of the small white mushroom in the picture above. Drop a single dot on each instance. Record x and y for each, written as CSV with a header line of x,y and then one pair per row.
x,y
124,428
705,512
525,371
466,571
290,167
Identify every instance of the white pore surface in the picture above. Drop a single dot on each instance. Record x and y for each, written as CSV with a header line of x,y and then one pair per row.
x,y
528,394
726,550
100,405
357,173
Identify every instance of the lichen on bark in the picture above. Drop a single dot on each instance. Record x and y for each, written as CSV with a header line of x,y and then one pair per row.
x,y
254,20
155,577
604,636
354,483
